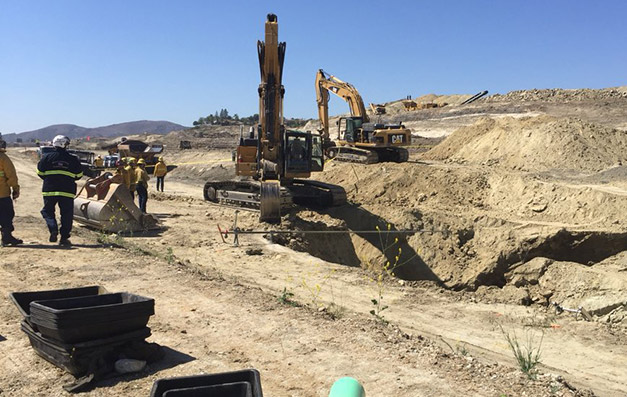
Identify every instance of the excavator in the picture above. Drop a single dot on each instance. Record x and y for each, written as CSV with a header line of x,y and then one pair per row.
x,y
274,161
358,140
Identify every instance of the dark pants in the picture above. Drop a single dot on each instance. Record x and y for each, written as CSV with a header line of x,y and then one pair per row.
x,y
160,182
142,194
66,207
133,193
6,215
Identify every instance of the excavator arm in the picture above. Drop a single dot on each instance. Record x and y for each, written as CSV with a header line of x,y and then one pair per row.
x,y
325,83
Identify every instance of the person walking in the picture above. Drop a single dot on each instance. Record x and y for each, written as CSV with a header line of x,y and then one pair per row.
x,y
130,169
59,170
160,172
142,184
9,191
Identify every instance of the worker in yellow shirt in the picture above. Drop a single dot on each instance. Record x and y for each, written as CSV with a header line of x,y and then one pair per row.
x,y
99,162
9,191
142,184
160,171
121,170
130,168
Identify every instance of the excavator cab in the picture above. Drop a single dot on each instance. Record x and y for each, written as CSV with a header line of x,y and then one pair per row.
x,y
349,129
303,153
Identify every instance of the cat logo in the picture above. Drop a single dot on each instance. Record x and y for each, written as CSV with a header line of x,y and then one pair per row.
x,y
398,138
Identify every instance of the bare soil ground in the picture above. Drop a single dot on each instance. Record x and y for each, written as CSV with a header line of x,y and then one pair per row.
x,y
514,211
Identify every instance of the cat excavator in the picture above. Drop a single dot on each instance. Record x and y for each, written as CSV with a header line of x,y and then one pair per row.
x,y
358,140
273,160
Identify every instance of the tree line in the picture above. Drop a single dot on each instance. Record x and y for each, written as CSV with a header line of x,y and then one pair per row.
x,y
223,117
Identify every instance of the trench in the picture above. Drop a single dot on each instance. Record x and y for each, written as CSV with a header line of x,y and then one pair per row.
x,y
583,247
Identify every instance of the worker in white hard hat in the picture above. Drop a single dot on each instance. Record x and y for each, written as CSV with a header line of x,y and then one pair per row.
x,y
60,170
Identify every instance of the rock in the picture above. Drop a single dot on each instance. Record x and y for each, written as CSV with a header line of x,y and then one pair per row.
x,y
254,251
528,273
127,365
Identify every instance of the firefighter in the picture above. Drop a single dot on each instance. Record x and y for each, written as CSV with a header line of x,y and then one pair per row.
x,y
60,170
142,184
160,172
99,162
130,169
9,191
120,170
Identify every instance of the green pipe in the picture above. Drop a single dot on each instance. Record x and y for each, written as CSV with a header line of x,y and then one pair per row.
x,y
347,387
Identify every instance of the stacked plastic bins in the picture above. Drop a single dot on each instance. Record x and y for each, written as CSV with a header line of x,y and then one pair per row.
x,y
244,383
73,327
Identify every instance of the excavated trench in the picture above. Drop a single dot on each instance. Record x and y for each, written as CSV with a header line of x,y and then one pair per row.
x,y
583,247
448,258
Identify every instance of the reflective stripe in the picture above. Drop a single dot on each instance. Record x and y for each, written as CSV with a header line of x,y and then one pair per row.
x,y
1,173
60,172
62,194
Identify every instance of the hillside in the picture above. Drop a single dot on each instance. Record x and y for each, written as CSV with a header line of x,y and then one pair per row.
x,y
75,131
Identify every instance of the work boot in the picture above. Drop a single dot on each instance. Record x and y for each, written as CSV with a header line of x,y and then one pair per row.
x,y
65,242
10,240
53,237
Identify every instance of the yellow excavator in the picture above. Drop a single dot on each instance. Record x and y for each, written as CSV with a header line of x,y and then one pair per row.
x,y
271,158
358,140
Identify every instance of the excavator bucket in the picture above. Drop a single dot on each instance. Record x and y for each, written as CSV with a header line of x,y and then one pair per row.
x,y
105,203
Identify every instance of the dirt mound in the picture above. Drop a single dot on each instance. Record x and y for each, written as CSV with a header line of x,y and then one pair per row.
x,y
535,143
560,95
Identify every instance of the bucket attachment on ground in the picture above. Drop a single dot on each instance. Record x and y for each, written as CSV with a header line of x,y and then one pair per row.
x,y
105,203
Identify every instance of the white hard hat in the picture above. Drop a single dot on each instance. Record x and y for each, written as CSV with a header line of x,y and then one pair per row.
x,y
61,141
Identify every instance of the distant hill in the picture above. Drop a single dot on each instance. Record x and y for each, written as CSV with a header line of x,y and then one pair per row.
x,y
75,131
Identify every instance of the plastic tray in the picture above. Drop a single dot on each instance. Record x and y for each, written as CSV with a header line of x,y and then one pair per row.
x,y
87,318
76,358
23,299
250,376
236,389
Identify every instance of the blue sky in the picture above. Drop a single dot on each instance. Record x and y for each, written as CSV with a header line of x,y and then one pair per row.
x,y
96,63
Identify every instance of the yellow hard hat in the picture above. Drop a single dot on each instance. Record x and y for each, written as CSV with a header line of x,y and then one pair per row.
x,y
160,158
141,161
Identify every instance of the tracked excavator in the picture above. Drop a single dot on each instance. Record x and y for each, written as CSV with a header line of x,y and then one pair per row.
x,y
358,140
273,160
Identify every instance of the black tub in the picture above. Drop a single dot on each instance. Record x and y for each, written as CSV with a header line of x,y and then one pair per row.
x,y
76,358
251,376
91,317
236,389
23,299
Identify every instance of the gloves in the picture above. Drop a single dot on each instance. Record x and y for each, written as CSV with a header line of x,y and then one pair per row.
x,y
16,193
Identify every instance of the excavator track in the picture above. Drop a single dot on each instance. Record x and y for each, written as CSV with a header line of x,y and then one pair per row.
x,y
365,156
263,196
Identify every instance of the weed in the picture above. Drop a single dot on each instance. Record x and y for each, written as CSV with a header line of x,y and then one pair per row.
x,y
377,273
461,349
286,298
169,256
527,355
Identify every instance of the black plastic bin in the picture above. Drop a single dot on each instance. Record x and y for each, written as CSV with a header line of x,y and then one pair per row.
x,y
250,376
87,318
237,389
76,358
23,299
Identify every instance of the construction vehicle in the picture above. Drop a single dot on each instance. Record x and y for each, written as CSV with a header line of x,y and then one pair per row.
x,y
273,160
105,203
136,149
358,140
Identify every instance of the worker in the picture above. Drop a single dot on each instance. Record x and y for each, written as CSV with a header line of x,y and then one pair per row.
x,y
142,184
297,150
9,191
99,162
130,169
120,170
60,170
160,172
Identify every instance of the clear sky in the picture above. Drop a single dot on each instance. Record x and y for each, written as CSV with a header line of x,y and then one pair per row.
x,y
95,63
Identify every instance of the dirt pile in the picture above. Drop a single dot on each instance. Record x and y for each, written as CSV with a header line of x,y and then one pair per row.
x,y
535,143
560,95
